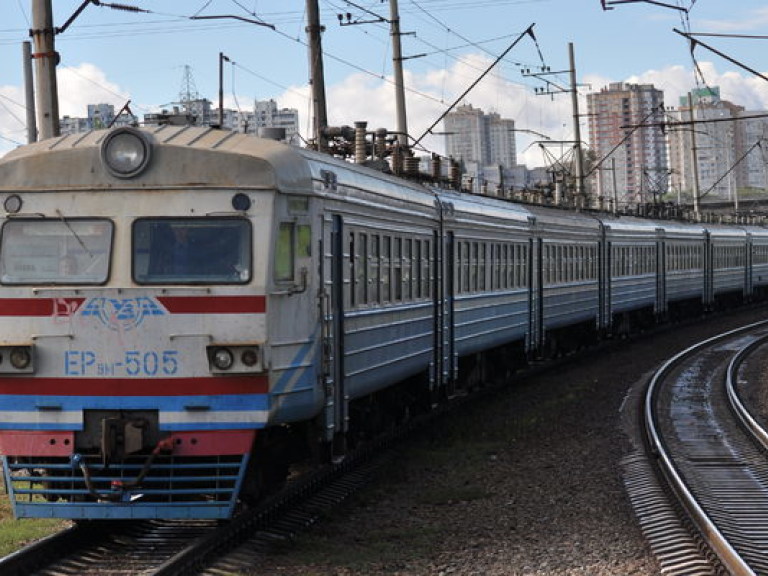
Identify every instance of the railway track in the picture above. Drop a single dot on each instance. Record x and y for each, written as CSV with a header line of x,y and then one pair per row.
x,y
165,548
706,447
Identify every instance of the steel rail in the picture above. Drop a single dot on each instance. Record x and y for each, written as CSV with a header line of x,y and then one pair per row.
x,y
758,432
726,553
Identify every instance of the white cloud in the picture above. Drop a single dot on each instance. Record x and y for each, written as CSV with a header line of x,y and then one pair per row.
x,y
77,86
86,84
736,87
13,129
360,97
756,19
363,97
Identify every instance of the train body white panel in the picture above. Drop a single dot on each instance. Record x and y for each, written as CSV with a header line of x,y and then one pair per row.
x,y
223,292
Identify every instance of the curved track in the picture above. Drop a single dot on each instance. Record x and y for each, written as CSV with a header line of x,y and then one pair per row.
x,y
710,460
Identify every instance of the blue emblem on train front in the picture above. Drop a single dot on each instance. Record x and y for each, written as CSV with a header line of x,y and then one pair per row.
x,y
122,314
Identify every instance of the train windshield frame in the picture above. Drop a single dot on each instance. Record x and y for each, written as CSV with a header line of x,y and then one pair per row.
x,y
200,250
59,251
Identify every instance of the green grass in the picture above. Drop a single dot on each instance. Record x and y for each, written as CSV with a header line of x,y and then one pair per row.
x,y
15,534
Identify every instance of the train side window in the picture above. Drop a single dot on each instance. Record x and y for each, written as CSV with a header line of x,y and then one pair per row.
x,y
482,266
491,253
408,269
352,271
467,267
497,267
504,265
397,269
515,255
572,259
417,267
375,275
386,269
361,265
426,261
512,266
285,256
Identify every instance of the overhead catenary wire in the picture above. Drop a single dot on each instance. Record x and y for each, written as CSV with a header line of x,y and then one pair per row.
x,y
528,31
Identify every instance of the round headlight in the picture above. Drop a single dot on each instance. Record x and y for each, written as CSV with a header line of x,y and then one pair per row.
x,y
20,358
249,357
222,359
125,152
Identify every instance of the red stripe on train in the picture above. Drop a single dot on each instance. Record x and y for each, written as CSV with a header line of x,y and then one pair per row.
x,y
258,384
62,443
39,306
66,307
214,304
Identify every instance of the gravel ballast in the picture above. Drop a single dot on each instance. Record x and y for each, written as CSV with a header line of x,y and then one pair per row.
x,y
527,482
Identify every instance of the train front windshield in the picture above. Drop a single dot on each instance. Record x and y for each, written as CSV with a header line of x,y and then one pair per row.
x,y
192,251
44,251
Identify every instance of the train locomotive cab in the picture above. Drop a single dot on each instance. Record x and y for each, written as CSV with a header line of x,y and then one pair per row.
x,y
134,269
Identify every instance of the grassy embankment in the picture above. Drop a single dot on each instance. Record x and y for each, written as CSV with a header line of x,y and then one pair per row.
x,y
14,534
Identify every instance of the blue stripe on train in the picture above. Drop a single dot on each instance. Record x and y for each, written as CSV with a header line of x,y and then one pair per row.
x,y
235,411
24,402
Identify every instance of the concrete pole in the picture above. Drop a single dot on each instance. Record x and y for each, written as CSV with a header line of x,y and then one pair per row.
x,y
397,67
29,91
317,79
46,59
694,160
221,89
580,193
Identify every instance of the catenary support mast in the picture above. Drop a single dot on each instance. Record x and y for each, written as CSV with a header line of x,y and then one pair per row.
x,y
45,58
317,80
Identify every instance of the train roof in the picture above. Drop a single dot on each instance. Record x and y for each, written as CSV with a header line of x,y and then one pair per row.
x,y
190,157
470,205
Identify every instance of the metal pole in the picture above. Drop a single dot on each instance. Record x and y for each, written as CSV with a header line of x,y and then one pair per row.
x,y
221,89
46,58
694,161
397,67
576,127
615,186
29,91
317,79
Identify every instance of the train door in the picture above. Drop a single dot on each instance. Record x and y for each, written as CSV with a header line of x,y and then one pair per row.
x,y
450,359
661,273
535,294
443,270
748,275
332,308
604,279
709,274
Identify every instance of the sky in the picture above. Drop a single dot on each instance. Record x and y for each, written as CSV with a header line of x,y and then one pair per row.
x,y
154,56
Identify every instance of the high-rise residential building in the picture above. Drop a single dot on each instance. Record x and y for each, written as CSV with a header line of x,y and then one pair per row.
x,y
755,128
484,143
473,136
501,135
704,131
626,137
